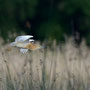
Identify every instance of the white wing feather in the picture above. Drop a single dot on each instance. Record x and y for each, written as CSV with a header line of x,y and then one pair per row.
x,y
23,38
23,50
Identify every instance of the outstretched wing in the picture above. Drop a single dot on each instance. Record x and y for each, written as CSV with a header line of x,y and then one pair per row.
x,y
23,38
23,50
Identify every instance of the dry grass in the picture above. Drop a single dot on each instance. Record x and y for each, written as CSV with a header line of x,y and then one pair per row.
x,y
61,67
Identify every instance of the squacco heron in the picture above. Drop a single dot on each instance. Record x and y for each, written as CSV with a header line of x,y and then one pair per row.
x,y
25,43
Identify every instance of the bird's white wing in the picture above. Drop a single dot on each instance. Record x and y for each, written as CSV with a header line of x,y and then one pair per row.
x,y
23,38
23,50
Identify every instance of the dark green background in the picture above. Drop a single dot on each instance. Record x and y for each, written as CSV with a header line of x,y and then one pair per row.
x,y
45,19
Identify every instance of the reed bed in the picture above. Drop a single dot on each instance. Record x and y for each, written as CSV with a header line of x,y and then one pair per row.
x,y
59,67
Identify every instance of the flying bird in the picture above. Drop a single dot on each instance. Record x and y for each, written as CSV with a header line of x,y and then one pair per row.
x,y
25,43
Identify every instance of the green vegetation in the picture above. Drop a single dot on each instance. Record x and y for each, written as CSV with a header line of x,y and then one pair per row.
x,y
45,19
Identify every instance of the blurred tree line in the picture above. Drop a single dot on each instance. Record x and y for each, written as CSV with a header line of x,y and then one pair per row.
x,y
45,18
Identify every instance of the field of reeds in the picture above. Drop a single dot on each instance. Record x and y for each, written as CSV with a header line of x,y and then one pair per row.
x,y
59,67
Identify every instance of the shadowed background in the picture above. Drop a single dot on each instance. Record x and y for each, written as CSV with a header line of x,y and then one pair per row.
x,y
49,19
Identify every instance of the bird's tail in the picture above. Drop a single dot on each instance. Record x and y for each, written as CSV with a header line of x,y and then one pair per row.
x,y
13,44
